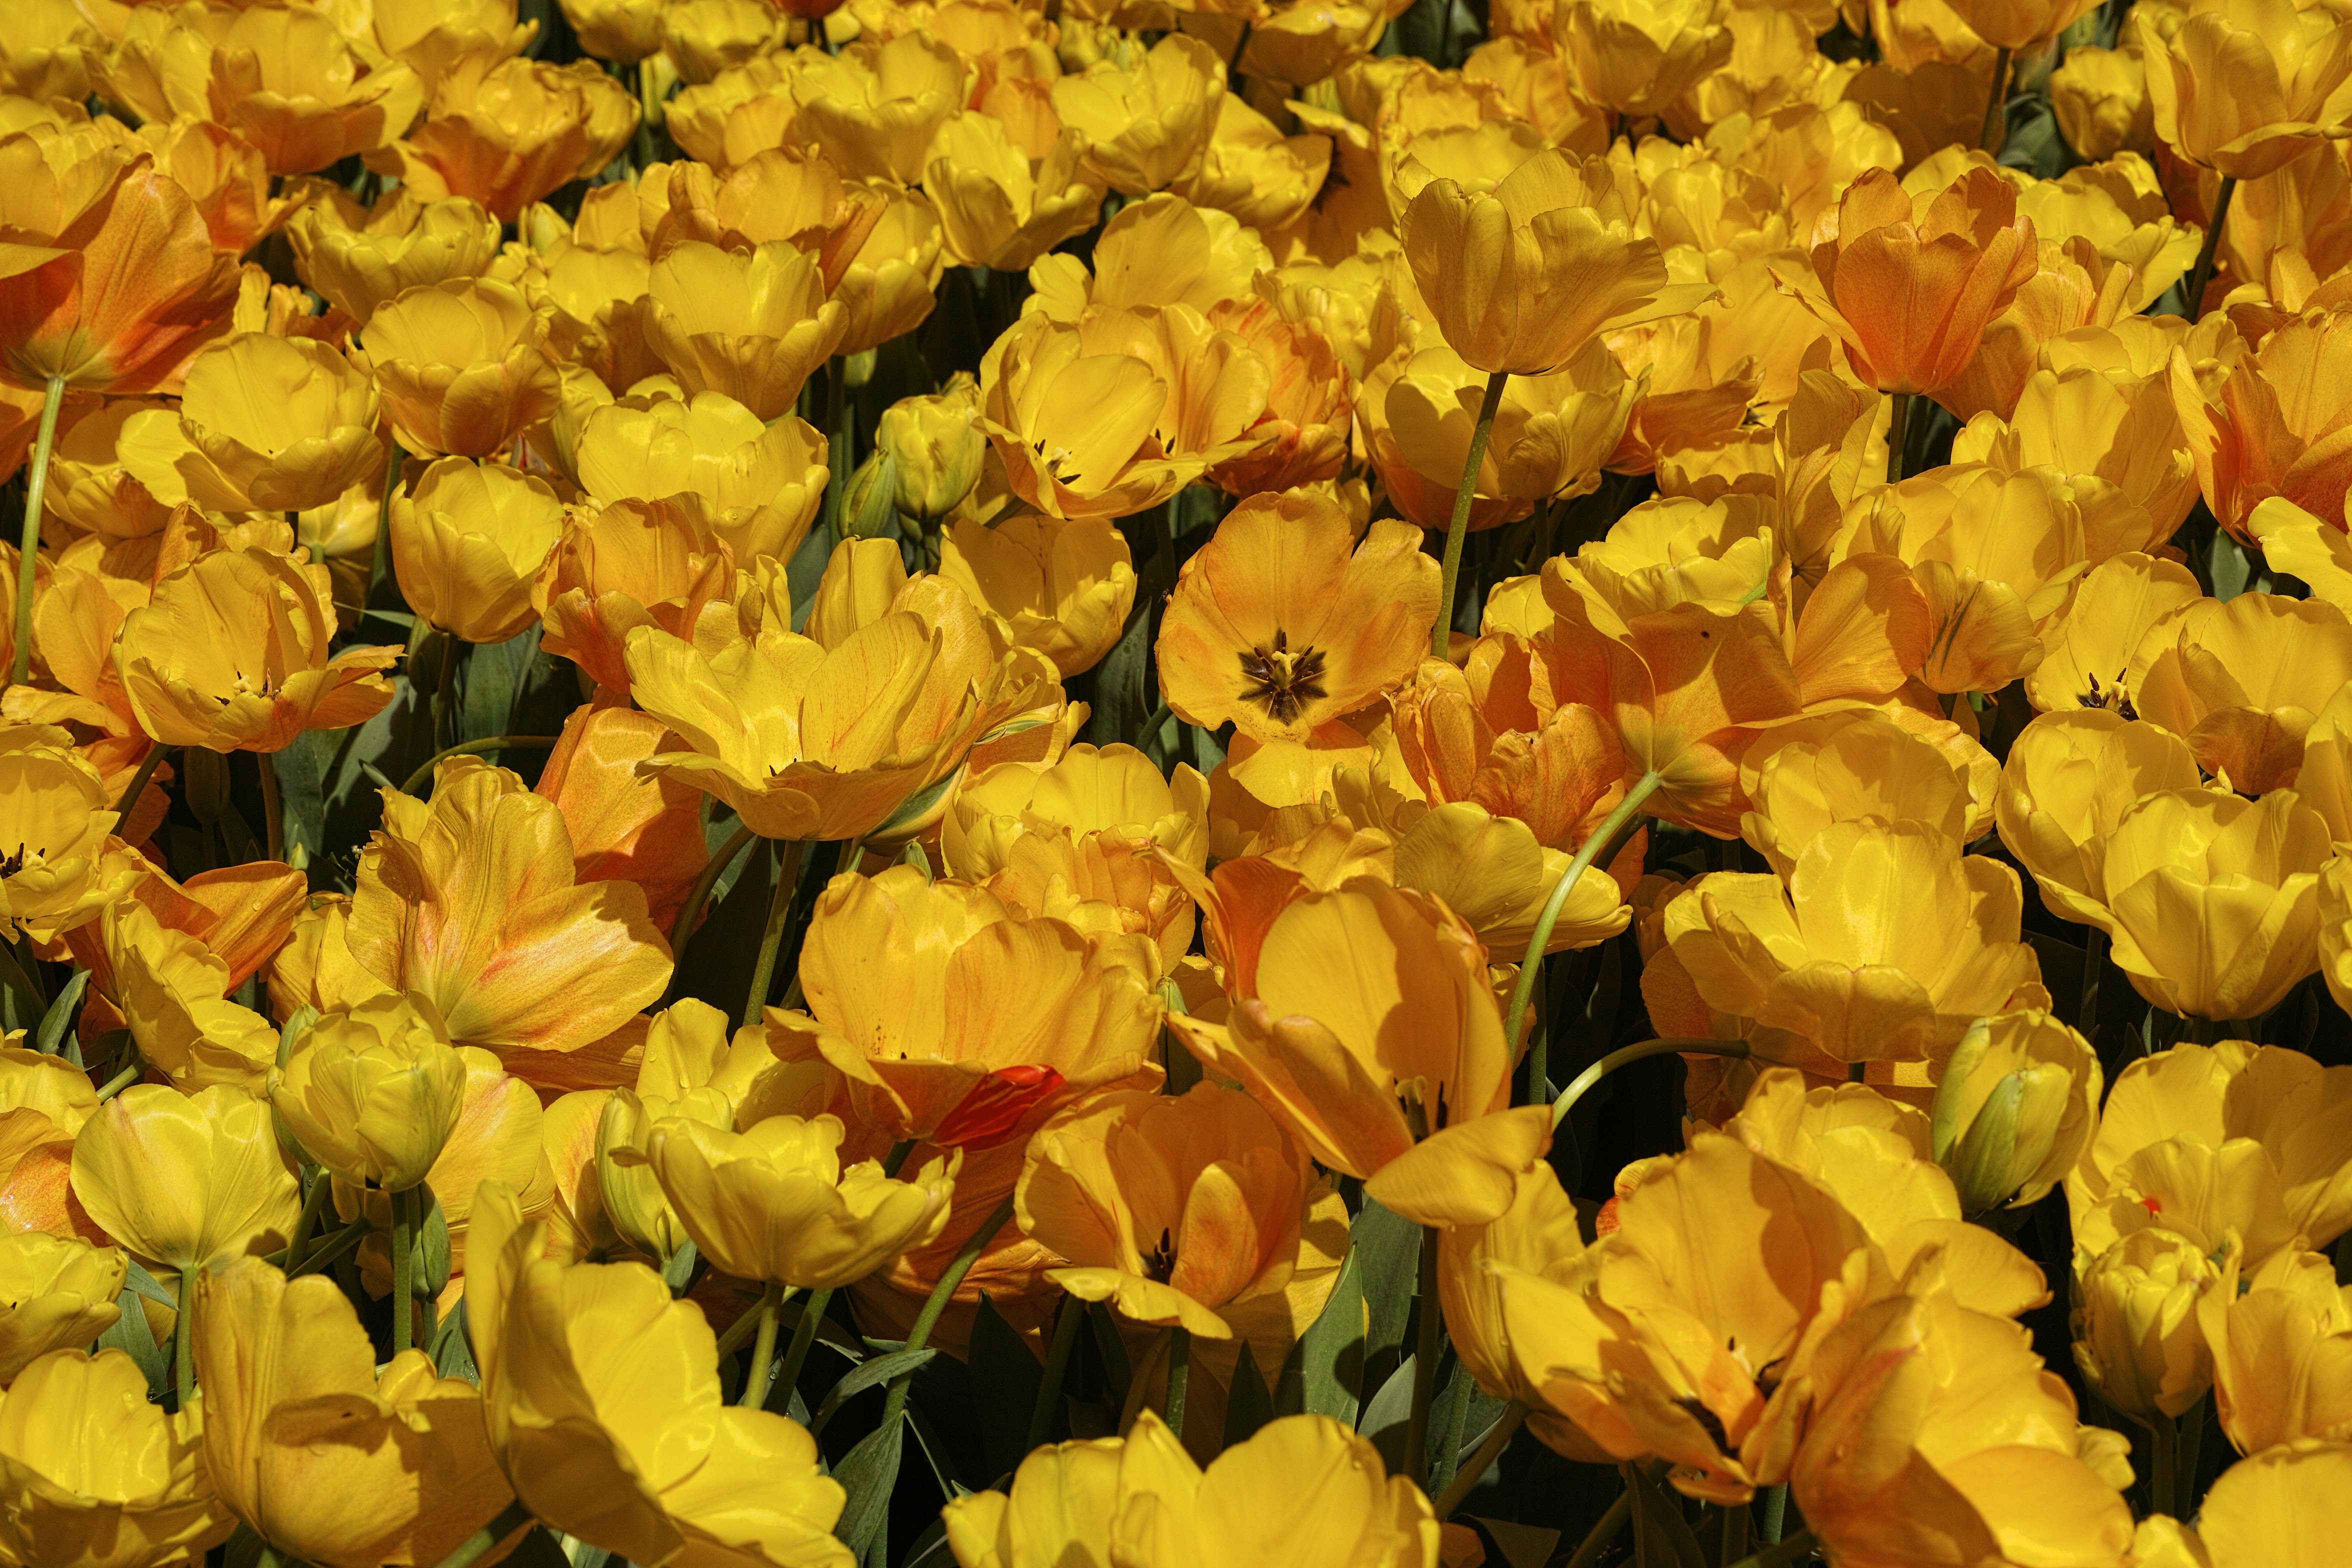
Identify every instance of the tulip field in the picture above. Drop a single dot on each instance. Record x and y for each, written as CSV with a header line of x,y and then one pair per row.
x,y
1176,784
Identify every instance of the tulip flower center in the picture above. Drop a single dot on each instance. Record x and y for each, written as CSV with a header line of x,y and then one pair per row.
x,y
2118,698
18,861
1282,681
1159,1263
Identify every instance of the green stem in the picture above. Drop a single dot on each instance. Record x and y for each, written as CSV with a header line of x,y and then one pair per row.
x,y
441,689
1058,1367
1736,1049
138,782
1458,530
123,1080
1899,428
36,489
1994,104
764,1348
1605,1530
803,1336
1776,1513
2199,277
1179,1375
937,1303
2086,1016
273,810
383,518
476,1546
313,1206
184,1347
690,911
2164,1464
779,904
1788,1550
404,1269
1424,1365
1531,965
334,1246
475,748
1490,1448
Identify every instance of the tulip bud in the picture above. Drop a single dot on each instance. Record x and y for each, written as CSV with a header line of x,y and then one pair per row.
x,y
2135,1333
870,509
2016,1107
632,1195
937,447
373,1091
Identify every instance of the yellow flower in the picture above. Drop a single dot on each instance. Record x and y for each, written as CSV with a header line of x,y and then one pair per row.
x,y
1146,126
182,1179
772,1202
888,287
323,1456
1170,1209
373,1092
61,873
604,1408
629,564
2245,86
621,31
1252,171
875,110
403,244
1282,623
464,367
2070,778
936,447
1000,211
2261,419
468,543
832,734
1636,59
2101,101
1366,1026
2243,681
2089,651
1858,766
2281,1342
2015,1109
172,990
757,485
95,1474
1538,1235
2210,901
507,132
2136,1339
753,326
276,424
1140,1501
1885,946
2280,1509
471,900
56,1293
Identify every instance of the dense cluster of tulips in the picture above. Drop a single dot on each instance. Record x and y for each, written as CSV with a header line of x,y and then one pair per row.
x,y
1176,784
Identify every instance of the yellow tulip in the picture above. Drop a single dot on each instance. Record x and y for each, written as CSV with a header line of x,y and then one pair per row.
x,y
1146,126
173,993
2136,1339
753,326
373,1092
2101,101
2282,1341
704,37
181,1179
320,1454
756,484
1250,169
632,1195
2260,417
603,1403
2089,651
2243,681
507,132
276,424
888,287
403,244
2245,86
464,367
2015,1109
57,1292
62,874
999,210
936,445
95,1474
629,564
772,1202
2071,777
1855,767
621,31
2280,1509
1538,1235
875,110
468,543
1636,59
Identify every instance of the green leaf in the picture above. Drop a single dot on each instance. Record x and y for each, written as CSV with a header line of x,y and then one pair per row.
x,y
301,803
1385,1413
145,1284
453,1347
868,1473
1121,703
1248,1404
60,1015
495,677
1390,1249
715,966
130,1334
868,1375
1324,1373
1112,1350
1005,1381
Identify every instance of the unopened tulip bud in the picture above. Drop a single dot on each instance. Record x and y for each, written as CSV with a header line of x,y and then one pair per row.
x,y
2017,1104
632,1195
870,509
938,448
373,1091
2136,1339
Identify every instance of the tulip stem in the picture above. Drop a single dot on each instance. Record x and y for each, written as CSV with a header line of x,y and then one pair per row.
x,y
1180,1375
404,1267
690,911
442,689
803,1336
1531,965
1604,1530
2164,1465
476,1546
1736,1049
1776,1513
334,1246
937,1302
1441,634
1424,1362
475,748
29,550
1996,103
1798,1545
1898,426
273,809
123,1080
1490,1448
1058,1367
764,1348
772,936
384,520
2199,277
314,1203
138,786
184,1347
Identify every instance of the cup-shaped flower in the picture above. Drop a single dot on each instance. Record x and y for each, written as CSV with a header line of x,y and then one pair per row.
x,y
403,244
2275,1509
1636,59
95,1473
1146,125
874,109
752,325
372,1093
2101,100
2136,1339
998,208
774,1203
231,653
2272,420
287,81
505,132
468,544
62,874
1170,1209
2070,778
464,367
322,1454
275,425
935,447
628,565
1850,766
756,484
1282,623
2281,1343
57,1292
2246,86
172,990
603,1403
181,1179
1065,587
2015,1108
